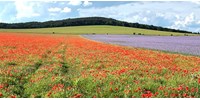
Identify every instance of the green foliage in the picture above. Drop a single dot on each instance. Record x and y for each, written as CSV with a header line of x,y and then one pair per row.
x,y
65,67
11,63
38,64
83,22
97,29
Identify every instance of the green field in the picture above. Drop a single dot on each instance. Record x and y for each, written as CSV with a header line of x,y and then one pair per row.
x,y
98,29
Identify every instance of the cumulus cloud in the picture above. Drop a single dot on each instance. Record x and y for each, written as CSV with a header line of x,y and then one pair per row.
x,y
78,3
66,10
56,9
183,22
196,2
167,14
198,22
190,22
75,2
138,13
179,15
87,3
26,9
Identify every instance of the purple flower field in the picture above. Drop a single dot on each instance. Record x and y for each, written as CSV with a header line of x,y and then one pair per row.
x,y
180,44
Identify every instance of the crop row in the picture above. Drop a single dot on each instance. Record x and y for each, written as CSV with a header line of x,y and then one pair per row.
x,y
72,66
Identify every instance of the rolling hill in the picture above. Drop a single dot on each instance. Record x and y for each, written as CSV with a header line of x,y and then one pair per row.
x,y
97,29
84,22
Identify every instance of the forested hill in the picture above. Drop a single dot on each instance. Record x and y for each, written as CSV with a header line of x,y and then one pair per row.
x,y
83,22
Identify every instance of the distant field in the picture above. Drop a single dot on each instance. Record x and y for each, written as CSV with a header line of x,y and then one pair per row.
x,y
98,29
177,44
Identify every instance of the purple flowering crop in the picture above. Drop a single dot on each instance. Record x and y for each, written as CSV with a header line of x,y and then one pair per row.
x,y
181,44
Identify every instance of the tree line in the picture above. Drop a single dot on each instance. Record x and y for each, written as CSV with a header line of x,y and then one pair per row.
x,y
84,21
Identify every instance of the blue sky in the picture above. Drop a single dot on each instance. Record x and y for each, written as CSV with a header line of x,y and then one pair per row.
x,y
179,15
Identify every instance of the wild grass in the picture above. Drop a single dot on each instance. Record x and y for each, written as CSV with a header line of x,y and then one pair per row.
x,y
94,29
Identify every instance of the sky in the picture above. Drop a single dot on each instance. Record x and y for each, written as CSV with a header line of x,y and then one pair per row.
x,y
182,15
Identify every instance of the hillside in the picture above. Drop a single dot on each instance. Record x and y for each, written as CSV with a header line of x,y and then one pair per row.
x,y
83,22
97,29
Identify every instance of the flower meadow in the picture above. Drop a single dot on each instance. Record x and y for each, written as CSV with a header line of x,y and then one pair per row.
x,y
63,66
179,44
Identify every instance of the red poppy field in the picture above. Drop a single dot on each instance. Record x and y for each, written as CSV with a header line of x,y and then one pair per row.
x,y
63,66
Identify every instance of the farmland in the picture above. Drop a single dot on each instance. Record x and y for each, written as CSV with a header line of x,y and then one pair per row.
x,y
97,29
40,65
179,44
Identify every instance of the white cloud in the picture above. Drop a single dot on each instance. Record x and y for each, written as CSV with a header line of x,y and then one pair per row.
x,y
138,12
87,3
75,2
63,3
184,22
189,19
167,14
181,15
198,22
78,2
26,9
196,2
56,9
66,10
48,1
